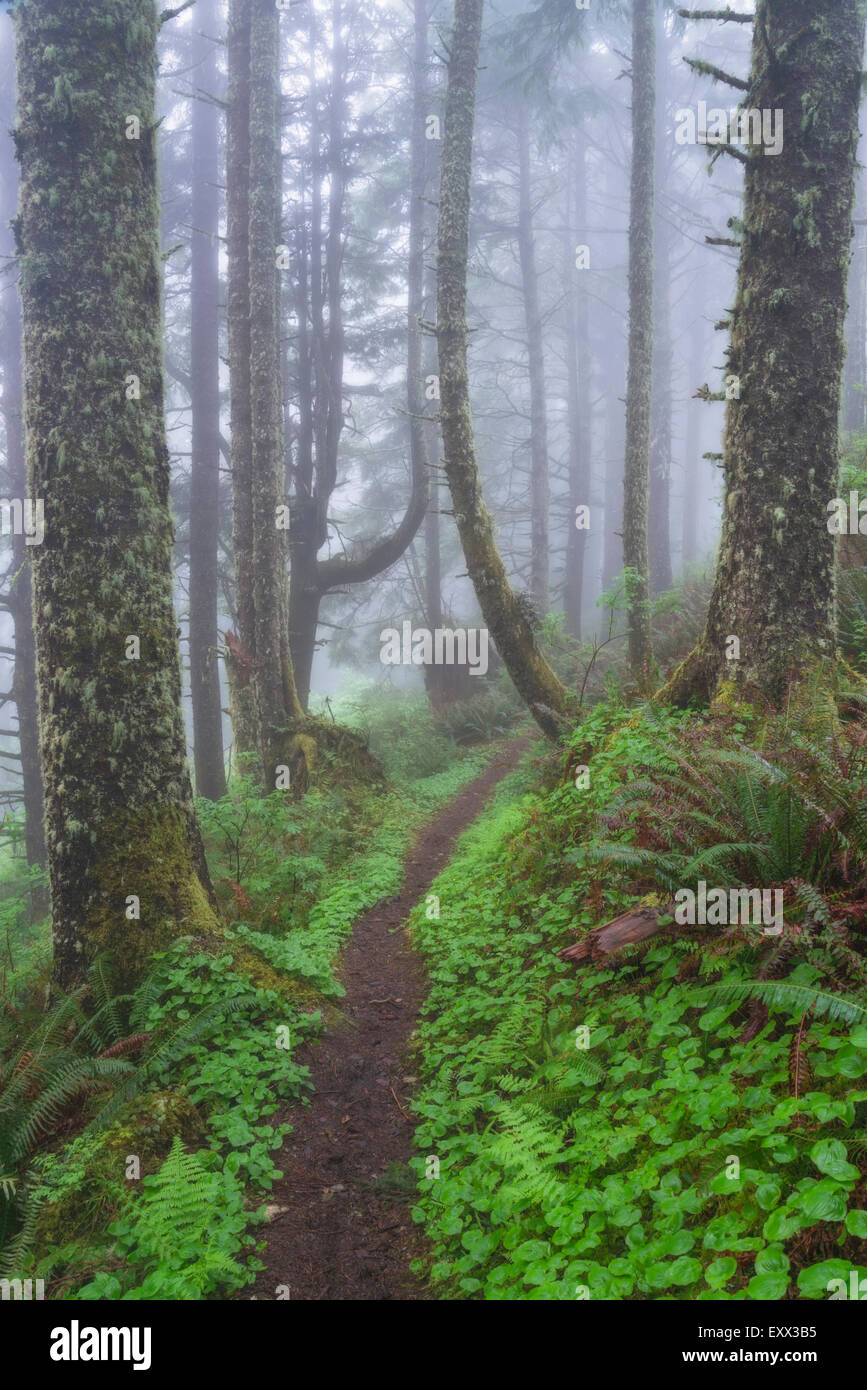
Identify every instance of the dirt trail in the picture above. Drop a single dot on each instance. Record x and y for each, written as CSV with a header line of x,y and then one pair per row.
x,y
336,1235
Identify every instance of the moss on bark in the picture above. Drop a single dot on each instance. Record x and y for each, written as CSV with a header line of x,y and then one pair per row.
x,y
775,580
119,811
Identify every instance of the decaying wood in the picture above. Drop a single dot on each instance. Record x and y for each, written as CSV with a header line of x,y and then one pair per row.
x,y
635,925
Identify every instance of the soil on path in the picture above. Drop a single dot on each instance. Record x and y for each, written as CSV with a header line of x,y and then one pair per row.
x,y
339,1231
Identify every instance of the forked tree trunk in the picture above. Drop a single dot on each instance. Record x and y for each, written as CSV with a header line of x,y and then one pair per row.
x,y
121,832
507,623
774,589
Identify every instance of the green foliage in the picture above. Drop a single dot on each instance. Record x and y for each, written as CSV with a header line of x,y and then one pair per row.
x,y
182,1238
704,1138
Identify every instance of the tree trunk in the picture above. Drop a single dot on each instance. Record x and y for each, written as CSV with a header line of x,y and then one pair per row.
x,y
240,647
659,520
693,464
205,403
539,483
20,594
774,589
577,385
639,372
508,624
275,685
120,825
855,387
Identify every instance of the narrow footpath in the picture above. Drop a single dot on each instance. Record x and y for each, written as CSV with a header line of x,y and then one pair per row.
x,y
340,1225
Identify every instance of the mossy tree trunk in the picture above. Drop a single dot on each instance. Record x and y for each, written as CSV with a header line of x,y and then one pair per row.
x,y
507,622
539,480
578,403
774,589
275,683
855,376
240,646
120,826
640,363
205,404
659,499
19,596
693,463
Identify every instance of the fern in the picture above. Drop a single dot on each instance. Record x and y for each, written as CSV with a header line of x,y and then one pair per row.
x,y
783,994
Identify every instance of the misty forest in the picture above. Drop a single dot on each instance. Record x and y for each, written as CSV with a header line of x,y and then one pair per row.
x,y
433,650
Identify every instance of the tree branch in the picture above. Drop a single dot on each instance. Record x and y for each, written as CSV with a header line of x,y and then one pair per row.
x,y
710,70
724,16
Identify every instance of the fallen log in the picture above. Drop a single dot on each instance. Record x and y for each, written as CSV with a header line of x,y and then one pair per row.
x,y
635,925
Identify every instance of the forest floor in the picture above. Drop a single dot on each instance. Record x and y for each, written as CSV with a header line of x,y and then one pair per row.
x,y
340,1224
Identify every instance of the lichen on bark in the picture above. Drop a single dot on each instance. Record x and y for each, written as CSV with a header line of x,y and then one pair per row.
x,y
119,810
775,579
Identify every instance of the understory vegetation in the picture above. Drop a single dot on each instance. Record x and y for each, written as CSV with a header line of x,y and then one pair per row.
x,y
138,1132
686,1118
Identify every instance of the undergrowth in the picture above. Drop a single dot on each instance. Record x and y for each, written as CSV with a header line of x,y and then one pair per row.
x,y
686,1118
114,1108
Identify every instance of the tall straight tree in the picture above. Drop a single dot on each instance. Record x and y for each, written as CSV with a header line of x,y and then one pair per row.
x,y
20,591
659,499
240,645
774,590
539,480
578,403
205,403
508,623
640,365
125,859
277,697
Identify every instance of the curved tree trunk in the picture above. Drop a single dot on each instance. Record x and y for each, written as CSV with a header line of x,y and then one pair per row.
x,y
540,688
774,590
119,810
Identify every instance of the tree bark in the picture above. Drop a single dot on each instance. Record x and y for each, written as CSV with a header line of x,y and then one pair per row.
x,y
275,684
205,404
659,503
577,385
240,646
693,463
20,592
119,812
539,481
774,588
508,625
640,366
855,381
